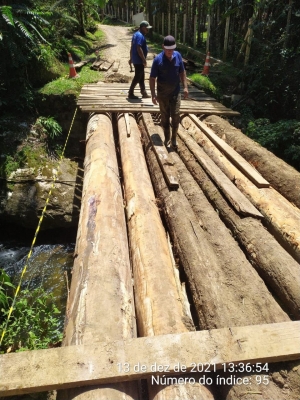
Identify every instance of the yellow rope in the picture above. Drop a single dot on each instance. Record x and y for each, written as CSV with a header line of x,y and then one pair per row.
x,y
36,232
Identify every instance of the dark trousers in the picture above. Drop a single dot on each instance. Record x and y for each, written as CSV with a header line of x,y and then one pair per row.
x,y
139,78
170,107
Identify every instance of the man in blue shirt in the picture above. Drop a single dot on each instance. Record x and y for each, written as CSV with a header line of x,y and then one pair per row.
x,y
138,54
168,70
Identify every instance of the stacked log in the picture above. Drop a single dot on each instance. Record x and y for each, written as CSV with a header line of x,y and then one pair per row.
x,y
225,293
277,268
284,178
158,297
281,217
101,274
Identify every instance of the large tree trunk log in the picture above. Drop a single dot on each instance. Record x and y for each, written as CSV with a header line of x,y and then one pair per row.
x,y
284,178
280,215
159,304
222,297
277,268
101,274
180,220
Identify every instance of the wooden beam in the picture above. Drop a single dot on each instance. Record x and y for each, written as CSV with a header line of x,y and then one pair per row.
x,y
238,200
143,107
115,65
105,66
127,123
166,165
101,363
231,154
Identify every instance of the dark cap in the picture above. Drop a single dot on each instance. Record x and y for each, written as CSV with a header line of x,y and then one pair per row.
x,y
169,43
145,24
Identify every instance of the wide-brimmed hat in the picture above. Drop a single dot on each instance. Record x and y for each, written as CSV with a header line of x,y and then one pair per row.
x,y
145,24
169,43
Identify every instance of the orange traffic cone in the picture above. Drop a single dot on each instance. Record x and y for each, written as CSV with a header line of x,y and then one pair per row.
x,y
206,65
73,73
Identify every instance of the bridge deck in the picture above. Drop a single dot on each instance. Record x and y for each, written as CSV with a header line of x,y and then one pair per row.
x,y
113,97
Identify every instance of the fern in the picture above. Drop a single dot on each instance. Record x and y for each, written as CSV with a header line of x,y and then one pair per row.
x,y
7,15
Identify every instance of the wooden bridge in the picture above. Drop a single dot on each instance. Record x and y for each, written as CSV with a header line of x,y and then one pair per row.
x,y
166,292
113,97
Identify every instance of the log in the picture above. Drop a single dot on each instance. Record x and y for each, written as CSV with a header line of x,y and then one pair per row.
x,y
284,178
157,313
30,371
81,64
101,277
281,217
220,300
165,163
225,299
231,154
236,198
278,269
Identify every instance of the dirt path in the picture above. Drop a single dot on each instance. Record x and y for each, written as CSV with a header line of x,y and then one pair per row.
x,y
118,41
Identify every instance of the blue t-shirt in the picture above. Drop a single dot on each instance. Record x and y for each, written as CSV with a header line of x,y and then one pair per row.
x,y
138,39
167,73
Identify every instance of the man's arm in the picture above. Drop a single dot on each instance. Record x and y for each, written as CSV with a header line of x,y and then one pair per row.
x,y
184,83
141,54
152,89
130,55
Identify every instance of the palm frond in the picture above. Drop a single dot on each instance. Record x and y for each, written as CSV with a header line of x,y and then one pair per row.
x,y
24,30
7,15
55,5
37,32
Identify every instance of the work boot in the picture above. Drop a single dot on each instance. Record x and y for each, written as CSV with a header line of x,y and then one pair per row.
x,y
174,140
132,96
167,137
145,95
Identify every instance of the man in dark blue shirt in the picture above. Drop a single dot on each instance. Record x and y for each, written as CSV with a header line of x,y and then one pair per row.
x,y
168,70
138,54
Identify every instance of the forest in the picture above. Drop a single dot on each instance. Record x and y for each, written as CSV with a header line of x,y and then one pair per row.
x,y
258,38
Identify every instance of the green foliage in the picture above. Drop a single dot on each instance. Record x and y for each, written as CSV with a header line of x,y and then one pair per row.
x,y
34,322
206,84
21,30
5,284
49,126
64,85
10,165
282,138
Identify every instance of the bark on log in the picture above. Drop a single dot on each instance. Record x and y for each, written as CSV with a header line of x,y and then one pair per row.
x,y
159,303
284,178
221,297
101,274
177,213
277,268
281,217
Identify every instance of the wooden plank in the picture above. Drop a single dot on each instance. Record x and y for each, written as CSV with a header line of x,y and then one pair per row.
x,y
151,109
122,94
96,64
230,191
166,165
115,65
101,363
231,154
127,123
105,66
